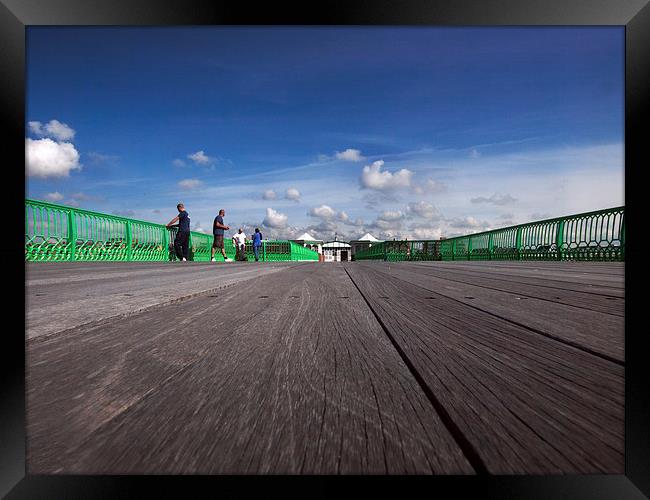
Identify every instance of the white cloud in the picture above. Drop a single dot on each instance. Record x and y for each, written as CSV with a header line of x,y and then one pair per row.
x,y
55,196
391,215
46,158
81,196
292,194
389,223
426,233
350,155
324,212
200,158
390,234
179,163
189,184
269,194
423,209
199,228
342,216
474,153
54,128
495,199
35,127
59,131
274,219
429,186
372,177
98,159
467,223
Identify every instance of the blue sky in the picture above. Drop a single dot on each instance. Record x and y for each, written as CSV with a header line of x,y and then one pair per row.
x,y
402,132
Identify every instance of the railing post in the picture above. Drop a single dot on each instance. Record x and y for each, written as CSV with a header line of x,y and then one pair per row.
x,y
129,238
469,248
72,234
264,251
453,250
559,239
518,243
490,246
623,237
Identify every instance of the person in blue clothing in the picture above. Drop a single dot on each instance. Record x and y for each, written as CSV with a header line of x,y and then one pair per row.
x,y
257,244
181,242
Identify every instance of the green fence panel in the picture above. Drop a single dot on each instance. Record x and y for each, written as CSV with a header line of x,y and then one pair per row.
x,y
60,233
598,235
99,237
301,253
504,244
47,233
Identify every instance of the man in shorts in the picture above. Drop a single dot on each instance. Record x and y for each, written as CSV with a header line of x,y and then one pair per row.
x,y
218,229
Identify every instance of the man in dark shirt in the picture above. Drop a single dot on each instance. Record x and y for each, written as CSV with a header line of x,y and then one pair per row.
x,y
218,231
183,235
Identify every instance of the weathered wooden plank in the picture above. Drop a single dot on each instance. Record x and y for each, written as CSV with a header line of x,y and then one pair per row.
x,y
573,272
74,296
595,332
289,373
522,279
581,299
527,403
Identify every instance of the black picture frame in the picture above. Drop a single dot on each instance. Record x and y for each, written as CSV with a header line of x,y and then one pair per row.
x,y
16,15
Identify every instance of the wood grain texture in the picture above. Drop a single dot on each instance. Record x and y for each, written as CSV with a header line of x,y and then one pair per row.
x,y
289,374
67,295
338,368
595,331
606,275
585,296
528,404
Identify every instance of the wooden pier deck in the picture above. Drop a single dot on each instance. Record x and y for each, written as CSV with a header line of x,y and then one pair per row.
x,y
326,368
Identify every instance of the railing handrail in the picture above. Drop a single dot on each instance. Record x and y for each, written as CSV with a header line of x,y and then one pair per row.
x,y
89,212
533,223
386,248
198,240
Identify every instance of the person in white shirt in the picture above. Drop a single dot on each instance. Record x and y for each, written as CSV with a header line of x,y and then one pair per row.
x,y
239,240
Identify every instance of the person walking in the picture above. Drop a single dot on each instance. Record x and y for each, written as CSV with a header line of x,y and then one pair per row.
x,y
218,232
257,244
239,240
181,242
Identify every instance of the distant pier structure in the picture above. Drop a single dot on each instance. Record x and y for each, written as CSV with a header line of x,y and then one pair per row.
x,y
363,243
337,250
308,241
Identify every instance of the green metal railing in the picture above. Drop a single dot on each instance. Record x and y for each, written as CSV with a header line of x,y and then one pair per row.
x,y
60,233
594,236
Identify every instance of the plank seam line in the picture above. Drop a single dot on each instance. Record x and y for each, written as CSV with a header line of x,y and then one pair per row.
x,y
551,268
146,309
526,327
496,276
463,443
524,295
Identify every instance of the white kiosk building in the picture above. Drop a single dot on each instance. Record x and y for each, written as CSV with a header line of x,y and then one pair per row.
x,y
337,251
